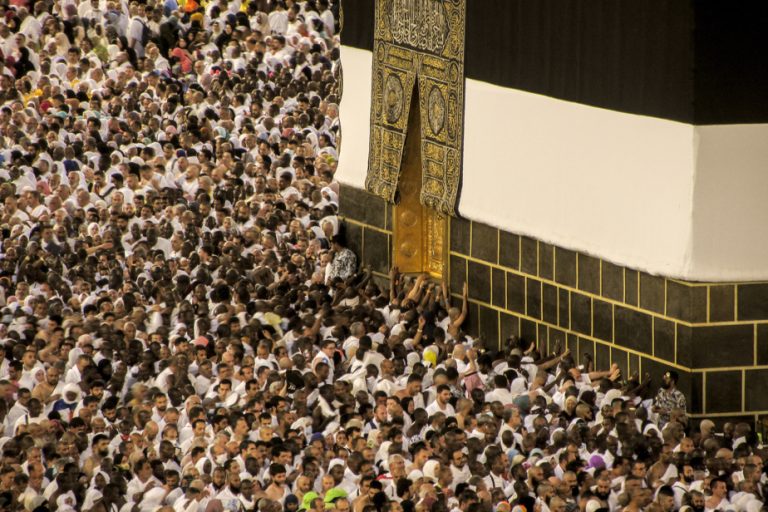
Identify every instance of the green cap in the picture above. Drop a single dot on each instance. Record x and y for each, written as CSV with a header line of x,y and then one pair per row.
x,y
306,502
333,494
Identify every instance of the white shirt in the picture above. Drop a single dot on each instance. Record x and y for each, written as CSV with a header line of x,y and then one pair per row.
x,y
460,475
349,344
136,486
278,22
492,481
16,412
502,395
434,408
73,376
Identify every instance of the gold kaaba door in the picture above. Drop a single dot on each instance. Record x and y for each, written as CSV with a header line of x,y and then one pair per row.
x,y
420,233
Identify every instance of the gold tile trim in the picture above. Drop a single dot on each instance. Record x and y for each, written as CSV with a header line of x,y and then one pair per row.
x,y
506,287
624,285
466,274
743,390
600,279
697,284
577,270
490,285
365,225
498,329
705,415
754,351
730,368
675,343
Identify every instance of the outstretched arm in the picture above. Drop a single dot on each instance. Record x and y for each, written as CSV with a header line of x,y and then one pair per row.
x,y
464,308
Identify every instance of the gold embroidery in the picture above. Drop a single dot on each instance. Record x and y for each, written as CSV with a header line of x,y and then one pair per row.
x,y
418,43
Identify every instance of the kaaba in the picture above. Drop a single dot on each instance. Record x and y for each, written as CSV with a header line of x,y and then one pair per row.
x,y
595,170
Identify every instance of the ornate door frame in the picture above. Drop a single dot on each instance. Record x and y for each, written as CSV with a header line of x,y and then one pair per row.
x,y
418,48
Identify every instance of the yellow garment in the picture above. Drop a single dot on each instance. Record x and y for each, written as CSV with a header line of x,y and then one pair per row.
x,y
430,357
32,95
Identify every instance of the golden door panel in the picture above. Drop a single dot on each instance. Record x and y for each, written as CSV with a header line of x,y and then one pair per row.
x,y
408,219
419,232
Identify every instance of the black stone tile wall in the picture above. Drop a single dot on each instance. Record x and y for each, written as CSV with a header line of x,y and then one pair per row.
x,y
529,256
460,233
373,241
485,244
588,273
714,335
602,320
762,344
498,288
753,301
533,298
663,339
581,313
707,332
458,272
631,286
479,281
509,250
613,281
721,303
549,298
565,267
368,228
756,381
652,293
364,208
515,292
723,392
723,346
546,261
